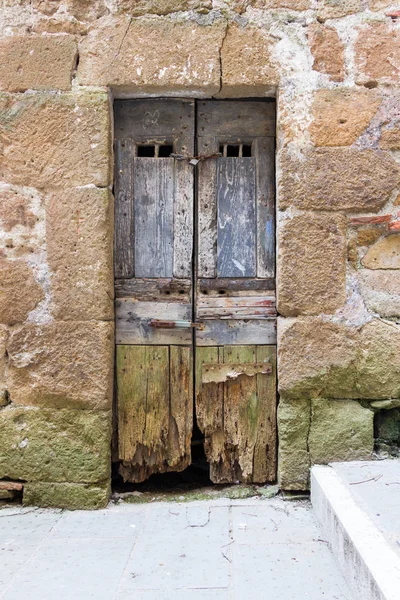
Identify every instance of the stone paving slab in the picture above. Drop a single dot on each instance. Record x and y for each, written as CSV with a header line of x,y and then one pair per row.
x,y
376,487
210,550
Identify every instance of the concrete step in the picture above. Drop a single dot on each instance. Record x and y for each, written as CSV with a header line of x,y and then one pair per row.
x,y
358,507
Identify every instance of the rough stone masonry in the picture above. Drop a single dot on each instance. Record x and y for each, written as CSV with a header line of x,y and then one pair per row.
x,y
333,66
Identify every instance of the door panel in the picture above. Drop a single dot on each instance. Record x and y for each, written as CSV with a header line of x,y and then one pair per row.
x,y
236,412
154,267
154,409
235,290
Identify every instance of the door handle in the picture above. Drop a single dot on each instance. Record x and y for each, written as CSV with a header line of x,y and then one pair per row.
x,y
160,324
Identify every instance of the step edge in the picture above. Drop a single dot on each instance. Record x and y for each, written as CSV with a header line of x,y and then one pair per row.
x,y
381,563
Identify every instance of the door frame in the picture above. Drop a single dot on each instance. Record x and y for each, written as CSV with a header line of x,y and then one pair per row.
x,y
177,96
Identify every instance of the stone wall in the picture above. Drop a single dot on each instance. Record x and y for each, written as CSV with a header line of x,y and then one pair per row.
x,y
334,68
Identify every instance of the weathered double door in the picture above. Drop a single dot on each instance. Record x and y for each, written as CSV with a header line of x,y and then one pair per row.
x,y
195,286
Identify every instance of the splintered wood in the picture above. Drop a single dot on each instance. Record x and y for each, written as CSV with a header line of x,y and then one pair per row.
x,y
236,411
155,410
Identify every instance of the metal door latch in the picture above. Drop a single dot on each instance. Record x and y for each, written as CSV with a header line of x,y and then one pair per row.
x,y
160,324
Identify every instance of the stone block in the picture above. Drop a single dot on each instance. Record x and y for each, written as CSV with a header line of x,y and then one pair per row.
x,y
311,264
152,54
293,456
55,141
54,445
79,227
317,358
341,115
377,54
71,496
384,254
22,223
3,383
37,62
138,8
381,4
340,430
246,66
337,179
19,292
390,138
380,290
62,365
334,9
321,359
327,50
378,372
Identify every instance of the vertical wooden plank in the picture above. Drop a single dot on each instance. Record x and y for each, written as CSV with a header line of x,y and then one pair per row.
x,y
183,220
264,149
209,397
207,209
181,408
240,419
236,238
265,446
143,409
153,199
155,434
124,215
131,378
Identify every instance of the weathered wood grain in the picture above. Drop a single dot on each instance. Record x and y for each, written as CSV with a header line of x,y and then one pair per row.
x,y
147,118
264,150
212,373
231,119
221,332
207,209
142,374
183,220
209,403
181,408
236,236
155,414
154,220
133,322
240,444
231,307
265,450
157,290
124,209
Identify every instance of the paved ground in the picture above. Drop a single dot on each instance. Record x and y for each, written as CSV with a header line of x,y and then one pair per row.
x,y
210,550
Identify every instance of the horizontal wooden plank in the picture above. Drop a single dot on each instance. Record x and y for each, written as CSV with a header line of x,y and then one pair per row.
x,y
133,320
230,332
245,312
236,302
212,373
159,290
230,119
233,307
230,287
150,118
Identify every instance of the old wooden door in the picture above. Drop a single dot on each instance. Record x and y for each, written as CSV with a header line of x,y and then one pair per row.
x,y
195,300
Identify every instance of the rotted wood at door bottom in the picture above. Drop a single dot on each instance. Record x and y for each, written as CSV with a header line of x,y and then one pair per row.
x,y
155,409
236,411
